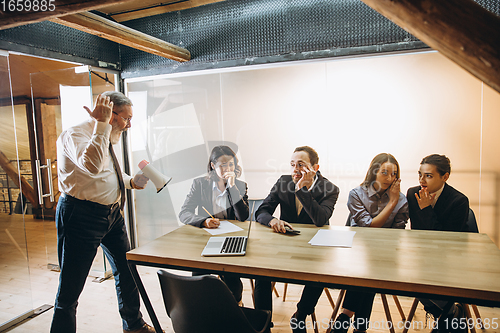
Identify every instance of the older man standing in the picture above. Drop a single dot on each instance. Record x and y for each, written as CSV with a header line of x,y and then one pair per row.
x,y
89,211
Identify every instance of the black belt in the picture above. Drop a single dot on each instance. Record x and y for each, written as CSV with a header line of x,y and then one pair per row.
x,y
70,198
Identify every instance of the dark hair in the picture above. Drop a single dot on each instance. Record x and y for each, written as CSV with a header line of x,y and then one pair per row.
x,y
375,165
442,163
217,152
313,155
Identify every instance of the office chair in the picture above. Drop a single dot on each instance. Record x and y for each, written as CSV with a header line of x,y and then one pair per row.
x,y
471,227
255,203
205,304
471,222
330,299
385,303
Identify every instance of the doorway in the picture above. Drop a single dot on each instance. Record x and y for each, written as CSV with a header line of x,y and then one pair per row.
x,y
39,98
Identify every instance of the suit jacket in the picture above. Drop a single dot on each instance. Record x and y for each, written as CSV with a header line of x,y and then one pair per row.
x,y
317,204
450,213
201,195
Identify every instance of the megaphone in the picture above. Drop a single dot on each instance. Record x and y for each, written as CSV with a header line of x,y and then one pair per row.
x,y
154,175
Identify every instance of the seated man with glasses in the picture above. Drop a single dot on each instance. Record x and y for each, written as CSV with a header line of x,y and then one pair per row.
x,y
307,197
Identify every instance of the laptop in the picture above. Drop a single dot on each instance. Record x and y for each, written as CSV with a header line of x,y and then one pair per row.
x,y
228,245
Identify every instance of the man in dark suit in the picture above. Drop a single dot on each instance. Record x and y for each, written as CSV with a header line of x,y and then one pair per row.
x,y
435,205
307,197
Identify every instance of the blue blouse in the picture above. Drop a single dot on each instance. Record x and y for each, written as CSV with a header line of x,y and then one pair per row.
x,y
365,203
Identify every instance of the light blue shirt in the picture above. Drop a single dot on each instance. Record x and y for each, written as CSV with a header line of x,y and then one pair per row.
x,y
365,203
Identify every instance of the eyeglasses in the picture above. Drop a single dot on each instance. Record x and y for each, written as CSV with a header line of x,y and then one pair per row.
x,y
127,120
225,165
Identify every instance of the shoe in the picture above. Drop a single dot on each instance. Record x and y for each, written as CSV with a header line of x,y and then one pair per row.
x,y
144,329
461,324
298,322
271,325
240,304
452,323
342,324
360,324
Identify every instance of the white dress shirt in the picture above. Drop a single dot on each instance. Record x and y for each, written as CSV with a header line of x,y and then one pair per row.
x,y
438,193
220,201
85,167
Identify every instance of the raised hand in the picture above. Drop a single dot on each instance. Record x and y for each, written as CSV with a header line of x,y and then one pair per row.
x,y
103,109
424,198
229,176
394,190
307,179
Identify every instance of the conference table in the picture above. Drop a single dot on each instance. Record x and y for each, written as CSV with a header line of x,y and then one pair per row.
x,y
463,267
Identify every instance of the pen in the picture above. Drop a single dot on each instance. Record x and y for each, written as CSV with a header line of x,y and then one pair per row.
x,y
207,212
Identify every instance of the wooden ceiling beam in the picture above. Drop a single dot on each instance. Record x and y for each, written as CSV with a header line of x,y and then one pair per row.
x,y
461,30
102,27
11,19
156,9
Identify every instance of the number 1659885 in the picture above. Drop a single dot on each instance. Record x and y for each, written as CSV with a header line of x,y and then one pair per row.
x,y
28,5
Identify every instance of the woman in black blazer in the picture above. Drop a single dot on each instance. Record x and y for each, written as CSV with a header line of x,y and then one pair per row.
x,y
223,196
219,192
435,205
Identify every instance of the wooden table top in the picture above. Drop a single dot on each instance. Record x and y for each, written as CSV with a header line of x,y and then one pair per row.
x,y
464,266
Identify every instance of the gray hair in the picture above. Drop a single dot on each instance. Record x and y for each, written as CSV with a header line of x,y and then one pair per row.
x,y
117,98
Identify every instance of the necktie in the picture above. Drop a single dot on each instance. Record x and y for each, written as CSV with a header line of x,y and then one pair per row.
x,y
119,175
298,204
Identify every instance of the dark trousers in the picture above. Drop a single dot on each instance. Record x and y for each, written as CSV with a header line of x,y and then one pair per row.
x,y
361,303
264,297
83,226
435,307
232,281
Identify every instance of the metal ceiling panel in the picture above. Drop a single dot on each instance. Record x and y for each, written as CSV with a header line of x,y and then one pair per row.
x,y
245,32
250,31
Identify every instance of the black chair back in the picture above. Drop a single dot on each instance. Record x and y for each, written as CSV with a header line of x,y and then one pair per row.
x,y
251,203
205,304
471,222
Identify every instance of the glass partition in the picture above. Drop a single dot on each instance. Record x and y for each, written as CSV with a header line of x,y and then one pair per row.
x,y
176,123
349,110
15,283
489,194
30,128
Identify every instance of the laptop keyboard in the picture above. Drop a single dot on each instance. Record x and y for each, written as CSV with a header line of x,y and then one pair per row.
x,y
233,244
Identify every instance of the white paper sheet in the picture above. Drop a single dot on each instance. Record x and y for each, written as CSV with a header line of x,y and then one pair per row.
x,y
224,228
340,238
